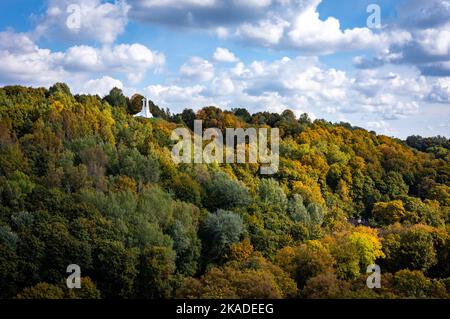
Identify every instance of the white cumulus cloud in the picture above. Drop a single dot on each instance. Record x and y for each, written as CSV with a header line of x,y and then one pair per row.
x,y
224,55
198,68
101,86
25,62
94,20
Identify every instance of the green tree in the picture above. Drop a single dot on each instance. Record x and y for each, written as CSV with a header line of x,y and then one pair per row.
x,y
115,98
411,283
305,261
188,116
156,269
8,270
243,114
297,210
115,268
61,88
388,213
410,249
42,291
187,189
394,185
220,230
272,195
186,243
88,290
142,168
224,193
135,104
324,286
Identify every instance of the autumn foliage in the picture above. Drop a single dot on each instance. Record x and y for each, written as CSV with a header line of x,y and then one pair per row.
x,y
84,182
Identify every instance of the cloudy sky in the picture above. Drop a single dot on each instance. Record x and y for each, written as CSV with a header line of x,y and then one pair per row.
x,y
319,57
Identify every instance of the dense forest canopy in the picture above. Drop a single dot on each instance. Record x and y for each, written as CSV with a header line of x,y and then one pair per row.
x,y
84,182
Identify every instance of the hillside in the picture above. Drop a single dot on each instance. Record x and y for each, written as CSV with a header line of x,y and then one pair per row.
x,y
84,182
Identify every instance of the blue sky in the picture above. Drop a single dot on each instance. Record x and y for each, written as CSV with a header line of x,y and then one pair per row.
x,y
319,57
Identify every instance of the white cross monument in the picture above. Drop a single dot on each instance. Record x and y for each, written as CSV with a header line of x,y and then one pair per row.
x,y
145,112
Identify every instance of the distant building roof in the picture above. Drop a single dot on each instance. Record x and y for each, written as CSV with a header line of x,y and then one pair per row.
x,y
357,221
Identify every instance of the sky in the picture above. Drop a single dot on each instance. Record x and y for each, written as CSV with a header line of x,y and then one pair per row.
x,y
382,65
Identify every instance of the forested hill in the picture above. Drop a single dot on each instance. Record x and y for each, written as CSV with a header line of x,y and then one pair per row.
x,y
84,182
